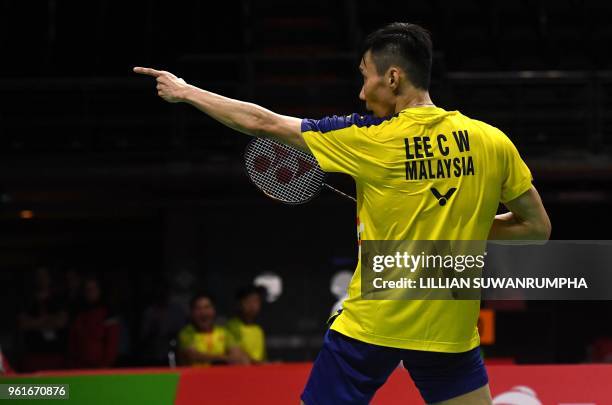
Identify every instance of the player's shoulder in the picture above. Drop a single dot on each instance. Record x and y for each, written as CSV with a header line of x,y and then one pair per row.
x,y
234,324
339,122
487,131
186,333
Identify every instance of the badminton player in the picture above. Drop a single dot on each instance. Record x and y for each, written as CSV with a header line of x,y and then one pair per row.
x,y
399,197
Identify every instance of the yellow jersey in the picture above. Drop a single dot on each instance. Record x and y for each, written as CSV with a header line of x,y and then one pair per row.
x,y
216,342
250,338
405,167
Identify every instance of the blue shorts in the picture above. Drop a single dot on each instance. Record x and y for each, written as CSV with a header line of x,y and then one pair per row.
x,y
348,371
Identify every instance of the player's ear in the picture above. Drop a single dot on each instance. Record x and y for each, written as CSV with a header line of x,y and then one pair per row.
x,y
393,77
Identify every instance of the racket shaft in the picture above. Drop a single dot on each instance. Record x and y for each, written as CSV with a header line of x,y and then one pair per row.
x,y
340,192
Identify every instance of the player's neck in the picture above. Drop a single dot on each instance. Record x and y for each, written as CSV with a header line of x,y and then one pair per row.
x,y
413,98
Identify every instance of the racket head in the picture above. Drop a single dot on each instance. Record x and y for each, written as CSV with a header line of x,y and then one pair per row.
x,y
283,173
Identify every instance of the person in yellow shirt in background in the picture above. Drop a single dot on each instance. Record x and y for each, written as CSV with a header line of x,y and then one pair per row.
x,y
249,335
202,343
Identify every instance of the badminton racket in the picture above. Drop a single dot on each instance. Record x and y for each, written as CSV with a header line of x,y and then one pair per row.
x,y
285,173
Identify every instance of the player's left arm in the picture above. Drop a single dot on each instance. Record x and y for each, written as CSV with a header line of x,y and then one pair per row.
x,y
526,220
241,116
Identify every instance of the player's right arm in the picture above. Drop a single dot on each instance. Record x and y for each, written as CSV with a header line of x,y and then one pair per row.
x,y
526,220
241,116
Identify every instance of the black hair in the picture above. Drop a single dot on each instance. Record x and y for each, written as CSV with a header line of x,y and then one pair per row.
x,y
405,45
199,296
244,292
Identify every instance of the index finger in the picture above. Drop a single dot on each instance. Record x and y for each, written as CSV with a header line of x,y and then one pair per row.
x,y
147,71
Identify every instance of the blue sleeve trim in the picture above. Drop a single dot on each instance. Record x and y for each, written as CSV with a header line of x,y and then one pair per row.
x,y
336,122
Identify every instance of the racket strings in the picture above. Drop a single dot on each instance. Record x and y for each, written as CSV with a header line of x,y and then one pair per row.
x,y
283,172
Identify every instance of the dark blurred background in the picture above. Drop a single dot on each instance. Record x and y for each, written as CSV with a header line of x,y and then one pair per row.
x,y
100,176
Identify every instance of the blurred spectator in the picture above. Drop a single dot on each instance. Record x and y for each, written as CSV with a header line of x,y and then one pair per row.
x,y
249,335
122,296
161,322
5,367
94,334
601,350
42,326
339,288
71,292
202,342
